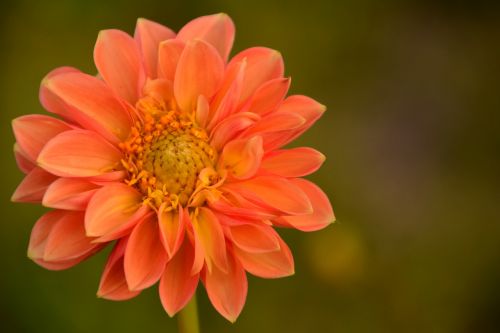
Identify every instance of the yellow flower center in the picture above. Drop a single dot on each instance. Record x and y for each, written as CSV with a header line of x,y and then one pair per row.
x,y
165,153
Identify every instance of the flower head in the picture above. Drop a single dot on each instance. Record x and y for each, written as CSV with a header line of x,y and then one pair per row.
x,y
173,154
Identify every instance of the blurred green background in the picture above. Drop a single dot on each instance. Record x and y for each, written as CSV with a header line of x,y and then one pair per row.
x,y
412,140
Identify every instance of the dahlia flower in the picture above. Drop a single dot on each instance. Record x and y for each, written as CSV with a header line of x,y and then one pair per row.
x,y
173,154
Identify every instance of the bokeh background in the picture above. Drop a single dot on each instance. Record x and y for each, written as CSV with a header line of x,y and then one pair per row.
x,y
412,140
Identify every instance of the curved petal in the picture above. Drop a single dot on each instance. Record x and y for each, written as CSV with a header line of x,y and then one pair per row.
x,y
69,194
254,238
118,60
24,163
269,96
32,132
262,64
268,265
217,29
51,101
306,108
199,72
111,208
91,103
177,284
295,162
322,214
148,35
227,290
242,157
33,186
113,285
171,229
230,127
79,153
211,237
145,256
169,53
274,192
67,239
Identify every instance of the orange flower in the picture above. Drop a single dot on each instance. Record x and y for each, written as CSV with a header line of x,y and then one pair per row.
x,y
175,154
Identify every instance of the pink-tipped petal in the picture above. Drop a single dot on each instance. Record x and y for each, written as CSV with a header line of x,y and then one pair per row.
x,y
242,157
304,106
227,290
145,256
148,35
67,239
169,53
274,192
199,72
113,285
322,214
268,265
211,237
111,208
269,96
217,29
295,162
69,194
172,229
32,132
117,57
91,103
24,163
262,65
33,186
254,238
230,127
79,153
177,285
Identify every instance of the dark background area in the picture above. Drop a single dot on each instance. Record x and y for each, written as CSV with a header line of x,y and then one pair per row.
x,y
412,142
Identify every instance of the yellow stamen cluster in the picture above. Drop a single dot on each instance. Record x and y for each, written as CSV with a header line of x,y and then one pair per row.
x,y
165,153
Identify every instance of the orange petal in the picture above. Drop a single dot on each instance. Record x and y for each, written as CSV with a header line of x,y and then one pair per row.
x,y
69,194
217,30
262,65
269,96
254,238
295,162
113,285
281,123
148,35
322,214
145,256
111,208
169,53
32,132
171,229
268,265
227,290
79,153
234,204
199,252
275,192
242,157
177,285
24,163
91,103
199,72
118,60
67,239
38,241
33,186
202,111
209,232
306,108
51,101
230,127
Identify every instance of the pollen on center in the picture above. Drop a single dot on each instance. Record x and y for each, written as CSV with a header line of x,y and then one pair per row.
x,y
165,153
